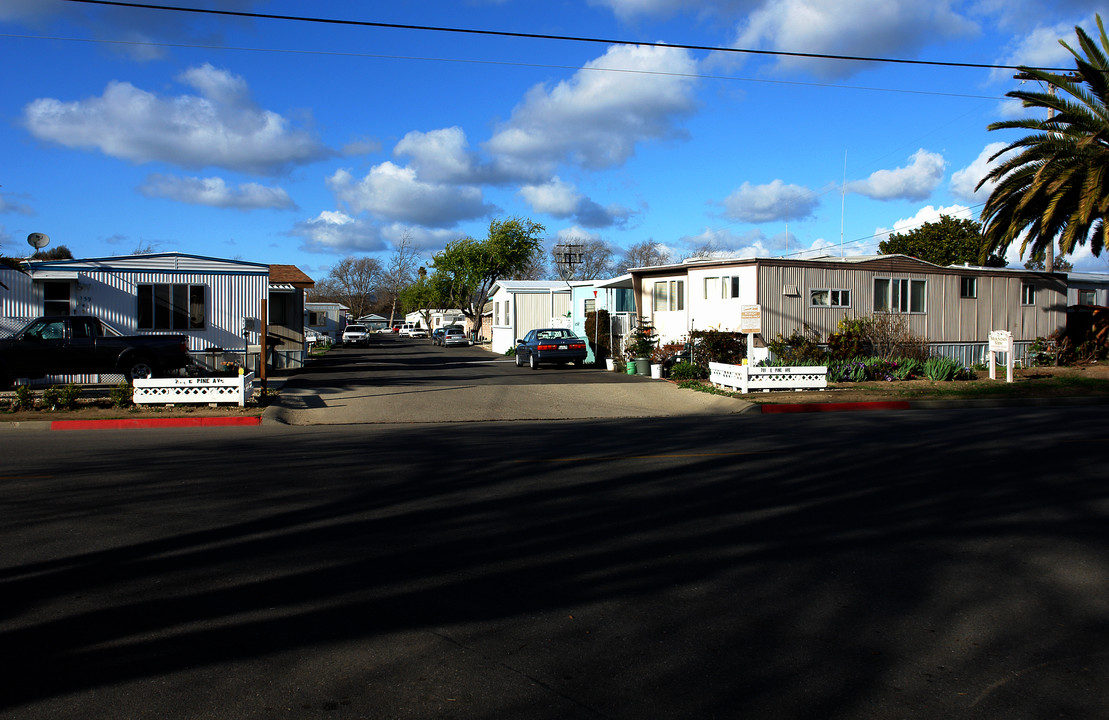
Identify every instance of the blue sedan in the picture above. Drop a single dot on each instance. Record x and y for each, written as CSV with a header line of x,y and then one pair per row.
x,y
550,345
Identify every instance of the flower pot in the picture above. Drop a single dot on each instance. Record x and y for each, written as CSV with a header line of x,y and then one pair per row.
x,y
643,367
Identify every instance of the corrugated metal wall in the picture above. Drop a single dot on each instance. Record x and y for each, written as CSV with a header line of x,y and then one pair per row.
x,y
536,310
948,318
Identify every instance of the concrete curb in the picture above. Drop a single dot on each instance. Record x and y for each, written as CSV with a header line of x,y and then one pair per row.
x,y
957,404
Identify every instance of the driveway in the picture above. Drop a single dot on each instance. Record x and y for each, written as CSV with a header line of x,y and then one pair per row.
x,y
409,380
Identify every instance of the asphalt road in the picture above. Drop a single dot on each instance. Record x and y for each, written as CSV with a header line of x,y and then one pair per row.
x,y
409,380
916,564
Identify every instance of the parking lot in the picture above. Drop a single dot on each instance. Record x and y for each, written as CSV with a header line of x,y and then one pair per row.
x,y
409,380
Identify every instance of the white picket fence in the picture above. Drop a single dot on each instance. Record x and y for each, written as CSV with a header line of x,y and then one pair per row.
x,y
746,378
172,391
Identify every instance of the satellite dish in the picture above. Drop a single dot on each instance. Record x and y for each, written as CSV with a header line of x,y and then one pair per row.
x,y
38,240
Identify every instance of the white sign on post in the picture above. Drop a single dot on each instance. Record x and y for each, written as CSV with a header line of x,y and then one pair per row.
x,y
750,319
750,323
1001,341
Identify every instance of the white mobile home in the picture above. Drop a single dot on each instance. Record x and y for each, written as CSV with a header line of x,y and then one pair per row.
x,y
522,305
326,318
216,303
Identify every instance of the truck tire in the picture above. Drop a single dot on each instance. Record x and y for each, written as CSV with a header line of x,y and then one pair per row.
x,y
138,368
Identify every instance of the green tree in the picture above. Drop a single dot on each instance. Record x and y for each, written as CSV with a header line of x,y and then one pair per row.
x,y
948,241
61,252
1055,186
426,295
12,264
1058,264
469,268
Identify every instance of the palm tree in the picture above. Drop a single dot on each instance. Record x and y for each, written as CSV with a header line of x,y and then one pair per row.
x,y
1056,183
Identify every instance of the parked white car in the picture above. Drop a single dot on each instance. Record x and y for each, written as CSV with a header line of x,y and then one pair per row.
x,y
356,335
417,332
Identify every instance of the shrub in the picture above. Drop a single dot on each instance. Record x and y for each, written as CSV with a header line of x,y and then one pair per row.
x,y
852,339
597,331
718,346
511,352
944,369
51,397
687,371
67,396
122,395
802,346
889,337
24,398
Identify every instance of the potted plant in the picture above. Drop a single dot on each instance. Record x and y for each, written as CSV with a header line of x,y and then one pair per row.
x,y
641,343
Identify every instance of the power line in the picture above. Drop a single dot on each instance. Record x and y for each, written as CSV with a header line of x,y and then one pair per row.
x,y
505,63
541,36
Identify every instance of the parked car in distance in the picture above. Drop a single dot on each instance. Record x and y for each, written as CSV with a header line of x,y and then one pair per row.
x,y
356,335
417,331
550,345
437,336
404,329
455,335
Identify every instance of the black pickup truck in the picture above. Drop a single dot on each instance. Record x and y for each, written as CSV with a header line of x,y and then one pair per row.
x,y
82,344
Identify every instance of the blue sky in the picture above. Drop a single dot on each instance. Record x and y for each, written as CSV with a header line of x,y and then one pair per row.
x,y
281,141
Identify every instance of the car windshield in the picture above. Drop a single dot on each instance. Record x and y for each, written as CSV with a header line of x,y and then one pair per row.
x,y
355,328
555,334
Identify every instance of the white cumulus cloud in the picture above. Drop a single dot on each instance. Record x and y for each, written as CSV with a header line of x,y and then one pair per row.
x,y
438,156
337,232
857,28
915,181
964,182
219,127
395,193
775,201
215,192
596,119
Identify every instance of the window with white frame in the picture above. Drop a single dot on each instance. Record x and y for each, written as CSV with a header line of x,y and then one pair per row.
x,y
729,287
317,318
968,287
1087,297
590,305
828,297
659,296
899,295
668,295
1027,294
712,288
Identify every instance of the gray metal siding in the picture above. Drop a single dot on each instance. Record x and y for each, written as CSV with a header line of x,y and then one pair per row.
x,y
536,310
948,318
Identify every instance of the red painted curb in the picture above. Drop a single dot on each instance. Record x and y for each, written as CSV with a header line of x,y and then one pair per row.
x,y
124,423
835,407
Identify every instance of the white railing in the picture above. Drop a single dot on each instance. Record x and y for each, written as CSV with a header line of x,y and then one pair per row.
x,y
746,378
172,391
